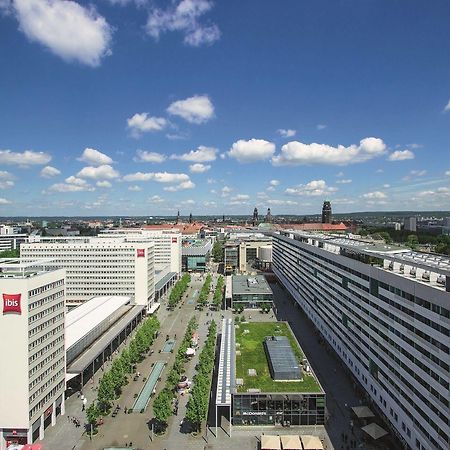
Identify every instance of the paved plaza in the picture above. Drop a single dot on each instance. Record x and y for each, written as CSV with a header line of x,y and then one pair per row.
x,y
135,428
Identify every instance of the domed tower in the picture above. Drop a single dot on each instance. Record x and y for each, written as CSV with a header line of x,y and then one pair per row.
x,y
326,212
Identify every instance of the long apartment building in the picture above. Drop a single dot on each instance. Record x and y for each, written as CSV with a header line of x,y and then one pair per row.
x,y
167,245
97,267
386,313
32,375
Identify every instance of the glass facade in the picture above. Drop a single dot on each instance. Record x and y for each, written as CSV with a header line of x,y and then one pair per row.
x,y
251,301
278,409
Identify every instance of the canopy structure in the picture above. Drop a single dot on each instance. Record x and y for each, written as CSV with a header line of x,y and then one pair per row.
x,y
311,442
269,442
291,442
374,431
190,352
363,412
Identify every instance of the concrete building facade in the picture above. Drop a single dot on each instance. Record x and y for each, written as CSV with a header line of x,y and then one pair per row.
x,y
386,313
32,375
100,266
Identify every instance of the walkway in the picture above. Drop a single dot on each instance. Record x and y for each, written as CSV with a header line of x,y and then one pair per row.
x,y
144,396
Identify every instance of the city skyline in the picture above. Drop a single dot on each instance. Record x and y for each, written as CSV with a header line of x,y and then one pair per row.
x,y
134,107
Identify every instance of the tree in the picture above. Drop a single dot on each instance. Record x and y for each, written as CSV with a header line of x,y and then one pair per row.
x,y
92,415
10,254
217,251
162,407
412,241
386,236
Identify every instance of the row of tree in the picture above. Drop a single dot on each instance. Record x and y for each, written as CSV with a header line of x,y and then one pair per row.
x,y
162,405
113,380
218,293
197,407
178,290
204,292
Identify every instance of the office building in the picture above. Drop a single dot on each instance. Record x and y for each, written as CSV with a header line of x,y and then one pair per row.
x,y
250,292
326,212
12,241
32,375
196,255
100,266
240,253
386,313
410,224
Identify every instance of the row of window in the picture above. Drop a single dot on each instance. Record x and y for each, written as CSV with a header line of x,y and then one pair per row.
x,y
50,396
46,312
44,374
43,301
45,336
45,288
48,323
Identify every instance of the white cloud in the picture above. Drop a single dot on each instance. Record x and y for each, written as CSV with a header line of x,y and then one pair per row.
x,y
156,199
321,126
49,171
94,157
184,17
63,187
199,168
274,182
440,193
297,153
414,173
197,109
180,187
208,204
4,201
101,172
401,155
447,107
103,184
340,174
76,181
286,133
386,186
252,150
225,191
447,172
313,188
240,197
376,195
26,158
151,157
6,180
344,181
160,177
210,180
201,155
134,188
67,29
277,202
142,123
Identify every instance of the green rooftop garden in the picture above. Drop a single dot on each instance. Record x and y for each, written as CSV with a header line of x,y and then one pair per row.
x,y
253,356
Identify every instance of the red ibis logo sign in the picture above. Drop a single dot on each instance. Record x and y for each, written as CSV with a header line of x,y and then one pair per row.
x,y
141,252
11,304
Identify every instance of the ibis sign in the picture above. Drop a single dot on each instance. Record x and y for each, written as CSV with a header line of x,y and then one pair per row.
x,y
11,304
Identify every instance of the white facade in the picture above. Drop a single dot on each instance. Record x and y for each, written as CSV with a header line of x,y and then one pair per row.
x,y
167,245
32,375
386,313
100,266
11,241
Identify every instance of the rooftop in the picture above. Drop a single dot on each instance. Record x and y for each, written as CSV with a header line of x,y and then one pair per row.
x,y
197,248
251,355
283,363
242,284
16,268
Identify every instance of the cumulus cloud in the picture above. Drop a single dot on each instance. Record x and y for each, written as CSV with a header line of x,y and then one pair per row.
x,y
134,188
286,133
401,155
66,187
156,199
199,168
26,158
6,180
447,172
376,195
160,177
141,123
321,126
180,187
313,188
94,157
276,202
103,184
344,181
4,201
151,157
447,107
252,150
225,191
197,109
240,197
67,29
201,155
184,17
274,182
296,153
76,181
49,172
101,172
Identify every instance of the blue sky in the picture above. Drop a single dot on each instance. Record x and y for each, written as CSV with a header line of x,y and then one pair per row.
x,y
144,107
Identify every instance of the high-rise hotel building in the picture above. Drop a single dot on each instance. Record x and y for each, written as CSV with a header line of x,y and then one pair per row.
x,y
32,373
97,267
386,313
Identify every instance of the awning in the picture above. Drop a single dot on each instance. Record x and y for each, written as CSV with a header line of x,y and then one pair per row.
x,y
154,308
69,376
363,412
291,442
311,442
374,431
269,442
190,352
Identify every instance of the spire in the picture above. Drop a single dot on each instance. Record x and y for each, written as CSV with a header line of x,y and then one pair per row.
x,y
268,216
255,217
190,218
178,218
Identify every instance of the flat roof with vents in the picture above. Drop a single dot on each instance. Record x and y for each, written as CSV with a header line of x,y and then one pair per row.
x,y
283,363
